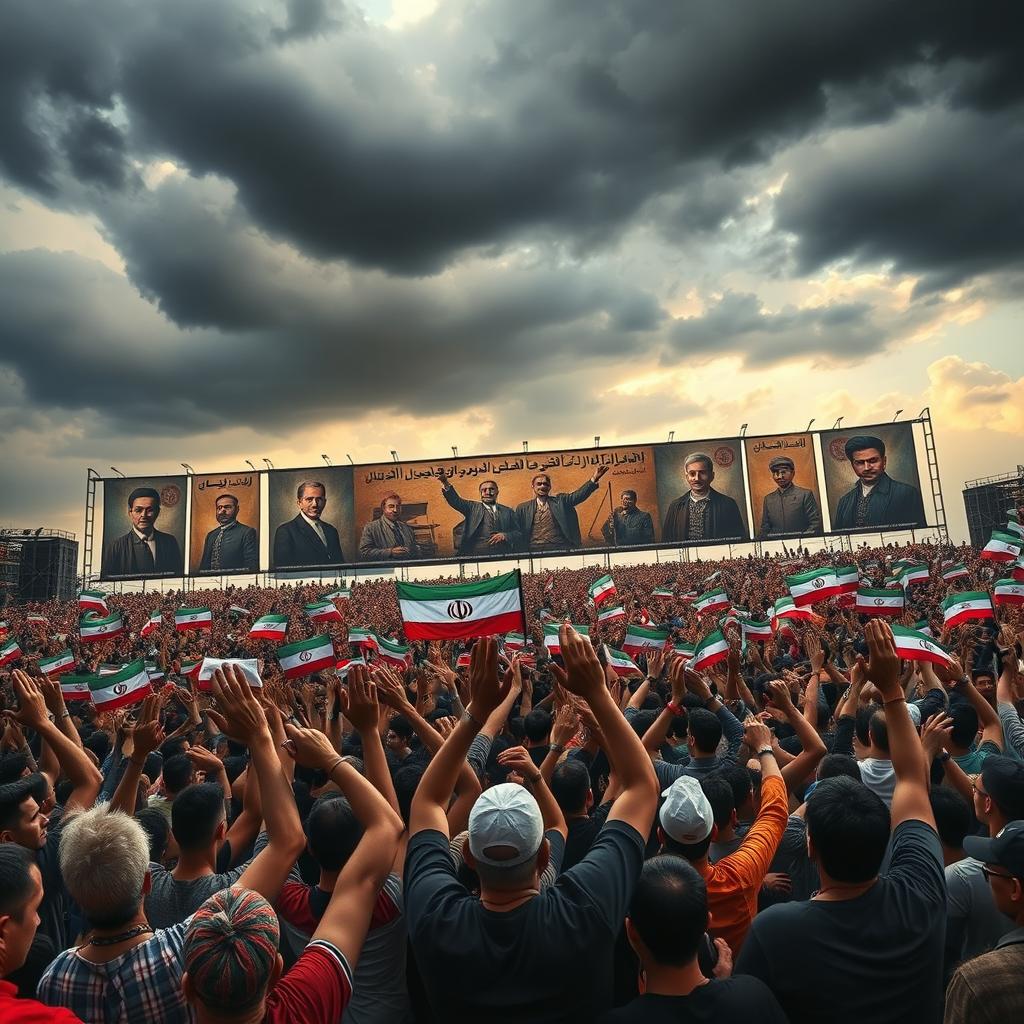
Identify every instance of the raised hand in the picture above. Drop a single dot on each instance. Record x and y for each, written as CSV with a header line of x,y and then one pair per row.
x,y
518,760
240,713
487,690
148,733
756,734
812,648
31,711
781,696
565,725
52,694
310,747
883,661
359,704
205,760
935,734
584,675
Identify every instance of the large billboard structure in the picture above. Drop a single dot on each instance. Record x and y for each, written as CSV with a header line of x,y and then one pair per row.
x,y
680,494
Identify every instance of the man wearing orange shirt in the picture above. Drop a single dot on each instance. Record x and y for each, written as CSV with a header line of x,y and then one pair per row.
x,y
687,827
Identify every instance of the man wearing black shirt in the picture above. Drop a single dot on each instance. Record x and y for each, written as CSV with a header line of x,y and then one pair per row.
x,y
667,925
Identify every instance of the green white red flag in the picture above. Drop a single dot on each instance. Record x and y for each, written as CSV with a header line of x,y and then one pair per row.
x,y
1018,569
238,611
912,645
551,641
620,662
74,688
910,574
323,611
711,601
59,662
186,619
462,611
872,601
306,657
755,630
1008,592
1013,523
154,671
270,627
394,653
684,650
514,642
190,669
93,601
1002,547
848,578
710,651
787,608
339,594
602,589
9,652
35,619
92,629
664,593
345,665
955,572
152,624
359,637
813,586
611,614
644,640
966,607
120,689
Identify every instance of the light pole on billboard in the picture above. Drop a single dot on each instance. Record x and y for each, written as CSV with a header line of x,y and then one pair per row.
x,y
326,460
743,430
898,411
349,457
671,436
270,465
455,451
394,455
118,472
249,464
838,423
188,469
526,448
808,426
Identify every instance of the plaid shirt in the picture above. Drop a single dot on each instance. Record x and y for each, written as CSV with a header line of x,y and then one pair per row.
x,y
989,987
143,984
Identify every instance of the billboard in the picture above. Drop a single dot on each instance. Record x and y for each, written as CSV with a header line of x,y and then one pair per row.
x,y
871,479
224,535
143,527
309,517
700,492
782,481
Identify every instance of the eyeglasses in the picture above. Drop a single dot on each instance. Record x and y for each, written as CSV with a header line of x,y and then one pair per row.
x,y
989,873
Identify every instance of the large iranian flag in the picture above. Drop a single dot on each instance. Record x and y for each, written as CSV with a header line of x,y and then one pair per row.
x,y
910,574
192,618
879,602
711,601
93,601
848,578
611,614
710,651
152,624
813,586
644,640
270,627
462,611
306,657
120,689
602,589
1008,592
74,688
913,645
59,662
249,667
1002,547
620,662
323,611
394,653
91,628
514,642
971,604
955,572
10,651
551,641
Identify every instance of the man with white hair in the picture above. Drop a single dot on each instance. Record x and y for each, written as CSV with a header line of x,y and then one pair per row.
x,y
520,953
702,513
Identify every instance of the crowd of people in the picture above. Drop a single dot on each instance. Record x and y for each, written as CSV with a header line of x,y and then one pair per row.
x,y
809,829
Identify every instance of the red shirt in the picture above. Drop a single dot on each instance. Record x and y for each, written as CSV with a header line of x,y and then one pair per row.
x,y
28,1011
317,988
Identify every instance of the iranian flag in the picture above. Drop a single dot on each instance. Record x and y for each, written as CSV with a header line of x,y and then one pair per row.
x,y
955,572
690,596
879,602
787,608
754,630
1013,523
923,626
120,689
813,586
344,665
270,627
601,589
644,640
664,593
192,618
620,662
462,611
911,574
848,578
394,653
712,601
340,594
551,641
249,667
912,645
683,650
1002,547
611,614
306,657
238,610
10,651
109,668
91,628
710,651
93,601
1004,592
514,642
154,671
190,669
34,619
51,666
74,688
323,611
971,604
152,624
358,637
893,583
1018,569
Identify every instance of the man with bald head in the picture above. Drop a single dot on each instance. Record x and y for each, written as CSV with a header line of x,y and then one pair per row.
x,y
703,513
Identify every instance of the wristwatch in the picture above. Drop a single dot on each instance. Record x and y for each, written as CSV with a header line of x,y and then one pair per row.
x,y
763,751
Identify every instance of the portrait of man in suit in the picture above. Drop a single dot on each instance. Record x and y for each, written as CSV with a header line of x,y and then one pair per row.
x,y
143,550
627,525
702,513
789,509
548,522
231,546
387,538
876,500
307,540
488,528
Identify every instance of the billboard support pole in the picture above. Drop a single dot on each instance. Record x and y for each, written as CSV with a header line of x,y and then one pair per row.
x,y
91,476
933,474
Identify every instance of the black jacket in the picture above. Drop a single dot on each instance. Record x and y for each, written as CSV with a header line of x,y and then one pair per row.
x,y
296,544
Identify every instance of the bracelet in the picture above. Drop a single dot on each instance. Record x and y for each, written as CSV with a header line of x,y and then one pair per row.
x,y
765,750
65,714
330,771
674,707
893,700
468,716
557,748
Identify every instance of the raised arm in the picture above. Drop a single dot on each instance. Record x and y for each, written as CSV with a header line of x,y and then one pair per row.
x,y
812,746
362,709
657,731
146,736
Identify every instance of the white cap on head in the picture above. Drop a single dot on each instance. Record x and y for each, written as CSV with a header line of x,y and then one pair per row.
x,y
686,815
505,816
915,714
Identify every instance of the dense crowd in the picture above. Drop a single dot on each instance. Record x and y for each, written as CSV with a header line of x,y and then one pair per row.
x,y
810,829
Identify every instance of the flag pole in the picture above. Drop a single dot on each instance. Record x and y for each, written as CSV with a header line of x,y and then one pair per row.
x,y
522,603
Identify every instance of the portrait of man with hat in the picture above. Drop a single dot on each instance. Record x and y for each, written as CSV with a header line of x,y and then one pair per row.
x,y
876,500
790,509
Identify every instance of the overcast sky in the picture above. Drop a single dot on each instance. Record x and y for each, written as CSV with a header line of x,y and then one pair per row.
x,y
242,229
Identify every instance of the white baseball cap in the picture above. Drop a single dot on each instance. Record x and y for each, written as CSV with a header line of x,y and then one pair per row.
x,y
686,815
505,816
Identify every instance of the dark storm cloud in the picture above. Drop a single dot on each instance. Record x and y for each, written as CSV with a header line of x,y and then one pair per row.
x,y
562,118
